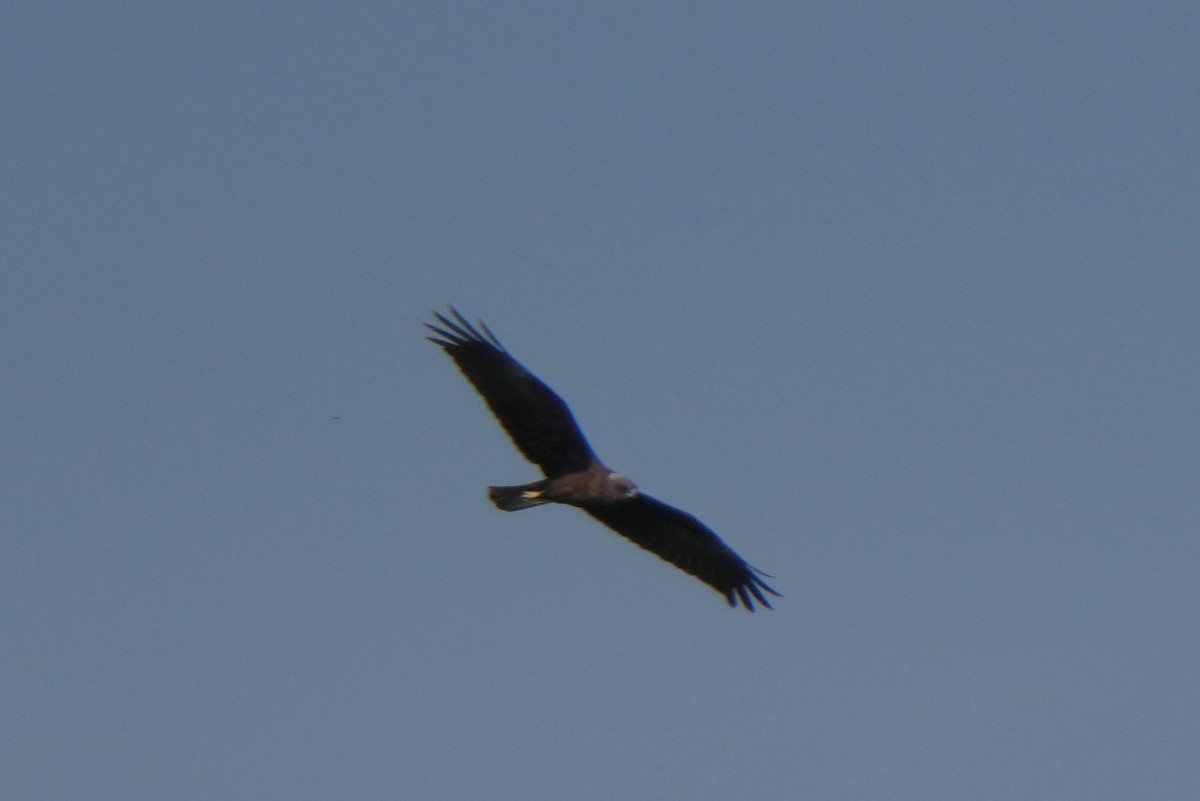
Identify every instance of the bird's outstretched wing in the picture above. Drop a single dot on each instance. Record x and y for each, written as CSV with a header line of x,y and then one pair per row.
x,y
682,540
536,419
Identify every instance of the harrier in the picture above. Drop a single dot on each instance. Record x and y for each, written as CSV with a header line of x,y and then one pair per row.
x,y
541,426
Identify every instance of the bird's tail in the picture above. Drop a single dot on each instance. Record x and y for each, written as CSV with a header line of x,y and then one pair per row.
x,y
521,496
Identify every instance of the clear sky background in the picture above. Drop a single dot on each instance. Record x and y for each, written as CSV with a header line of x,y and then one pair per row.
x,y
903,300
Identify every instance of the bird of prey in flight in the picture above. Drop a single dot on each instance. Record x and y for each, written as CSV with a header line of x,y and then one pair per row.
x,y
541,426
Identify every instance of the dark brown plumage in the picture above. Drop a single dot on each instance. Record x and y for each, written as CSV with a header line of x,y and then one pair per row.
x,y
541,426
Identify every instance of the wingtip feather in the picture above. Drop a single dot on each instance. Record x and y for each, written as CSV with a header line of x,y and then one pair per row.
x,y
460,330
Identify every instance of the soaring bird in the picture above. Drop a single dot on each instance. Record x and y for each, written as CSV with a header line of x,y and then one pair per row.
x,y
542,428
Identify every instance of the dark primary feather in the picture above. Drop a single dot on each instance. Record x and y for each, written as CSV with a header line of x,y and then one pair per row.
x,y
536,419
685,542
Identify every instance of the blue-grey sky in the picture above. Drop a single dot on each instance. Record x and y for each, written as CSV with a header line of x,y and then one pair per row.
x,y
902,300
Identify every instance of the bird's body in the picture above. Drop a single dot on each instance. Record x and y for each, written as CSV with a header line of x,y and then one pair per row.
x,y
541,426
583,489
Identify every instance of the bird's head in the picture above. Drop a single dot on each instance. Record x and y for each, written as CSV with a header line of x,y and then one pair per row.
x,y
618,487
